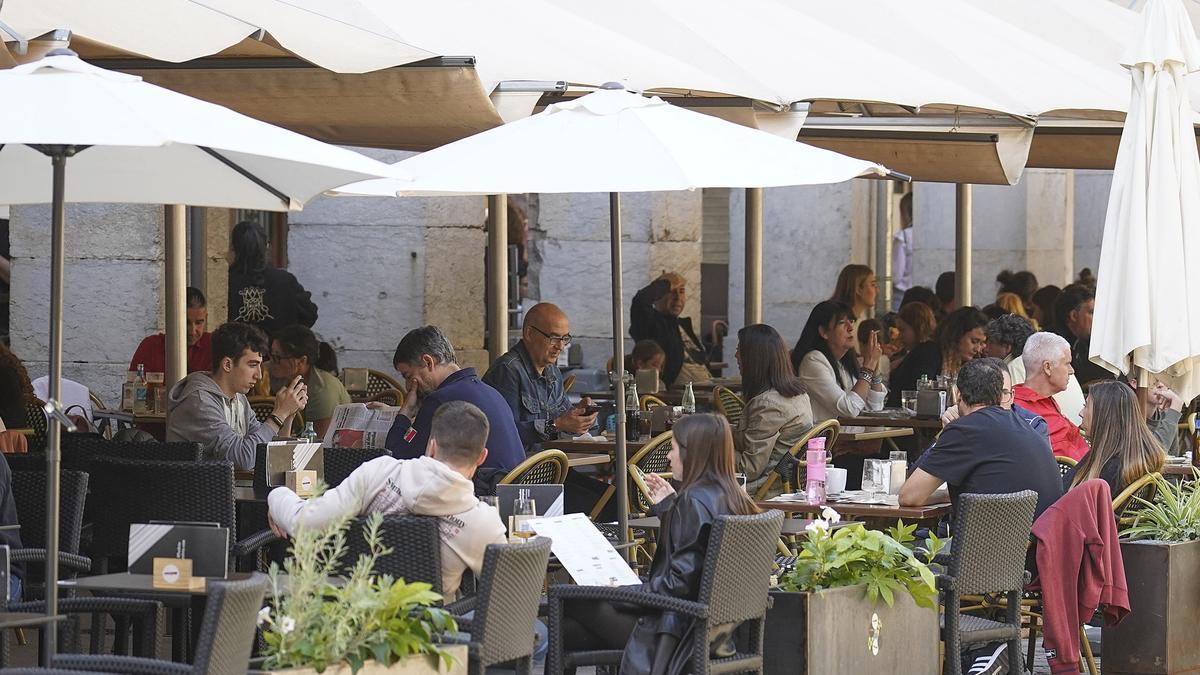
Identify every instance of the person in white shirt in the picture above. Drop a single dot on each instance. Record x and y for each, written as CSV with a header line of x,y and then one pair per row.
x,y
438,484
838,385
902,251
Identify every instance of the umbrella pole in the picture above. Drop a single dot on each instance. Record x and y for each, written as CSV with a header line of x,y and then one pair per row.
x,y
962,244
497,276
174,226
618,309
49,640
754,239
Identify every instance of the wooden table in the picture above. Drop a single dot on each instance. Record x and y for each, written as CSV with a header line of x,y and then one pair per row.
x,y
790,525
575,459
593,447
865,511
1181,469
128,418
876,433
26,619
887,421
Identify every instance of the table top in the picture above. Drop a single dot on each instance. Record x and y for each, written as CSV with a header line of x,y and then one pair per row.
x,y
24,432
876,433
887,420
1176,469
134,583
790,525
593,447
587,459
888,511
128,417
22,619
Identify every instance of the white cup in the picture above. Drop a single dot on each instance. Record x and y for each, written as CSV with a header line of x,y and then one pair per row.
x,y
835,480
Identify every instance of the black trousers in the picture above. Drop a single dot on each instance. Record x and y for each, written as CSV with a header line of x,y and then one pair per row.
x,y
595,625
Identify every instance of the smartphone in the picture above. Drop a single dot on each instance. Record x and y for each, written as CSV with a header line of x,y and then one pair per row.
x,y
591,409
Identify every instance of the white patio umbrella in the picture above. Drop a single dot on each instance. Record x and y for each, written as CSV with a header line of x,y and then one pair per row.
x,y
1147,320
129,141
614,141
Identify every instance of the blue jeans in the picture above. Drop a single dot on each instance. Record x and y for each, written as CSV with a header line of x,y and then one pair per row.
x,y
14,588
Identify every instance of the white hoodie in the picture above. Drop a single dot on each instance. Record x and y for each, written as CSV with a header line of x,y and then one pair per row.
x,y
422,487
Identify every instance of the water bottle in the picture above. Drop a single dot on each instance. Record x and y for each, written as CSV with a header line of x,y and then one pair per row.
x,y
310,434
1196,444
689,400
814,489
631,413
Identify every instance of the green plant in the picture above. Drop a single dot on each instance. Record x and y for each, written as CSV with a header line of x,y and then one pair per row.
x,y
1173,515
853,555
317,624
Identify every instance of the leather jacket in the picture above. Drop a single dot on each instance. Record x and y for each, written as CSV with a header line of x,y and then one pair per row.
x,y
647,323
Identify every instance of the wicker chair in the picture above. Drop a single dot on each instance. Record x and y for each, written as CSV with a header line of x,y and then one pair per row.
x,y
392,397
569,383
501,630
223,648
733,590
991,536
415,544
830,429
650,458
651,401
78,450
379,382
341,462
547,467
728,404
262,407
35,419
1127,509
1065,464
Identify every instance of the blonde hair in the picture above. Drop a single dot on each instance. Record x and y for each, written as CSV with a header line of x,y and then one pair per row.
x,y
1118,429
1011,303
849,280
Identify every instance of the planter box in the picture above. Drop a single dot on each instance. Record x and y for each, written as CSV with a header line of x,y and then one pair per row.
x,y
413,665
839,631
1159,635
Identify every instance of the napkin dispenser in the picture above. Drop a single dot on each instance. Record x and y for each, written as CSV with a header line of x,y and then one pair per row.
x,y
931,402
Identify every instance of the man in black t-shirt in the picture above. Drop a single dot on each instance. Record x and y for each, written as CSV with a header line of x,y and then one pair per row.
x,y
988,450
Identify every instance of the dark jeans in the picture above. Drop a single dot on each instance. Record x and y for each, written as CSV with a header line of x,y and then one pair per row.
x,y
595,625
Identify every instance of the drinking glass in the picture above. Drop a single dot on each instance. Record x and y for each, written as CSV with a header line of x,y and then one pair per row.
x,y
491,500
908,401
870,476
524,510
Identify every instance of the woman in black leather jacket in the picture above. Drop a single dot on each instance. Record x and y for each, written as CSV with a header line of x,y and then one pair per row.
x,y
702,461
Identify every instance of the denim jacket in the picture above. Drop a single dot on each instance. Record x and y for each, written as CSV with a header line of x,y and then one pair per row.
x,y
534,399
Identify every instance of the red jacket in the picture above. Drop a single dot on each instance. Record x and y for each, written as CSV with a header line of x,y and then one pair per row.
x,y
1079,569
1065,439
152,353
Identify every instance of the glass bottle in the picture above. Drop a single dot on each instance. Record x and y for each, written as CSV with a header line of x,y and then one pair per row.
x,y
310,434
814,489
689,400
631,412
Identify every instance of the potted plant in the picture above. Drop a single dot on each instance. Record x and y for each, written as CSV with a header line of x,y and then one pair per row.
x,y
367,624
826,616
1161,552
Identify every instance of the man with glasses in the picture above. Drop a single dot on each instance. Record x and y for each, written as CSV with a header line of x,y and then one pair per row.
x,y
656,314
533,386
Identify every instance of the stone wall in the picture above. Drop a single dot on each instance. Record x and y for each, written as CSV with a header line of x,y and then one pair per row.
x,y
1091,205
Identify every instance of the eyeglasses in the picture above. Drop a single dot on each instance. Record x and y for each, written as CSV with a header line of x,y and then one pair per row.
x,y
1006,394
563,340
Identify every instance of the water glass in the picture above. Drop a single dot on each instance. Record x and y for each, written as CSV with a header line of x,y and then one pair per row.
x,y
908,401
491,500
874,482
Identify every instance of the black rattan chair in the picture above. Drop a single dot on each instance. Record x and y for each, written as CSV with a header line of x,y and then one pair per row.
x,y
506,606
733,590
35,418
416,548
78,450
341,462
987,556
223,648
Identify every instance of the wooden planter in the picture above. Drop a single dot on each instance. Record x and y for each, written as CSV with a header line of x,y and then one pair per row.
x,y
413,665
839,631
1160,634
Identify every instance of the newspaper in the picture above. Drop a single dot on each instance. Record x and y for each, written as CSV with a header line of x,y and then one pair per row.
x,y
354,425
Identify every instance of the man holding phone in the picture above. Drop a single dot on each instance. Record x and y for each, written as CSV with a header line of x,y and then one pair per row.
x,y
426,360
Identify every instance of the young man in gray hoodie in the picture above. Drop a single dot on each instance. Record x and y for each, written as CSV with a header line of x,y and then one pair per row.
x,y
437,484
212,409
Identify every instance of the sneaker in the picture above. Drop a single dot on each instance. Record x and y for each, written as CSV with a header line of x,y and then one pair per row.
x,y
987,660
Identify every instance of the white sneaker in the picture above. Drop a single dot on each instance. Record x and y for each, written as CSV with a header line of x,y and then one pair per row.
x,y
990,661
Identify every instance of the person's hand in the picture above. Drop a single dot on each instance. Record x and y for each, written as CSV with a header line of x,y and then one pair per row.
x,y
574,421
412,399
291,398
376,405
950,415
871,352
1164,397
276,528
891,349
13,443
658,487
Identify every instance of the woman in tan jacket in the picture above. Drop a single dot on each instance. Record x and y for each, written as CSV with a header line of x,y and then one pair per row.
x,y
777,411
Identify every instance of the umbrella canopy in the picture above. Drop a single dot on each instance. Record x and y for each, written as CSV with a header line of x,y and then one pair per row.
x,y
138,143
1147,319
615,141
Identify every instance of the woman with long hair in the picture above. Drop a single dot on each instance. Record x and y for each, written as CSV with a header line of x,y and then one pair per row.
x,y
15,389
259,294
295,351
856,288
778,411
702,464
1123,449
838,385
1011,303
915,324
958,339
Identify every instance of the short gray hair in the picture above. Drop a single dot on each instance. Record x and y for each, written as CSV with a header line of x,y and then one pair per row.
x,y
981,381
421,341
1040,348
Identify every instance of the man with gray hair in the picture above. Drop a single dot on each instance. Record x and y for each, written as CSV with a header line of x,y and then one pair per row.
x,y
1047,359
425,359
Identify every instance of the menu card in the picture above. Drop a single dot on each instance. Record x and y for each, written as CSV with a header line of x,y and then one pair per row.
x,y
584,552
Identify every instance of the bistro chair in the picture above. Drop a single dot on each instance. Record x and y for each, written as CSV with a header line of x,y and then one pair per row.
x,y
510,589
651,401
79,449
1065,464
651,458
991,536
223,648
548,467
392,397
1126,508
262,407
568,383
728,404
35,419
341,462
830,429
415,545
379,382
733,590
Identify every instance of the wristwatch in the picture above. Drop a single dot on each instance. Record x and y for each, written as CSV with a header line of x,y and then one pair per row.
x,y
550,430
278,422
867,375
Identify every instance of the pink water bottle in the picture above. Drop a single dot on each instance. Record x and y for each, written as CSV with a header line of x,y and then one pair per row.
x,y
814,489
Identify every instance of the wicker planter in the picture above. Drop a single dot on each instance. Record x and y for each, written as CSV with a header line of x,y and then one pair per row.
x,y
1159,635
413,665
839,631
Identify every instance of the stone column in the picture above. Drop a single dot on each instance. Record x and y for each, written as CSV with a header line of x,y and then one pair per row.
x,y
1050,225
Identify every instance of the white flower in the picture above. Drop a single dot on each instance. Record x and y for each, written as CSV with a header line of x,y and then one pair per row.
x,y
264,615
816,526
830,515
286,625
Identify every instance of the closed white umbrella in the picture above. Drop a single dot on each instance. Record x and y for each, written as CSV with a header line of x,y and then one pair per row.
x,y
614,141
129,141
1147,319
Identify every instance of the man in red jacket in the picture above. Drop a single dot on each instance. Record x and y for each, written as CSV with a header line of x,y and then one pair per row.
x,y
152,352
1047,360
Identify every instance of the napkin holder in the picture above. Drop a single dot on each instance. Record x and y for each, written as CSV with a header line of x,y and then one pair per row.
x,y
303,483
176,574
931,402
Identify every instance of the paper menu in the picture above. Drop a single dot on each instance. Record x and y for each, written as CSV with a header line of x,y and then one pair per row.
x,y
584,552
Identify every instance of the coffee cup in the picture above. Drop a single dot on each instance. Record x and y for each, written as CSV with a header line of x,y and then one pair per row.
x,y
835,480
